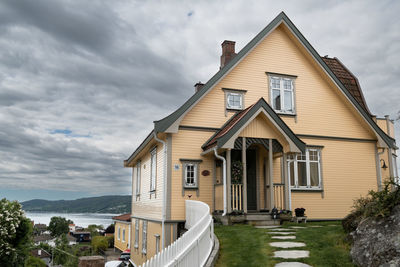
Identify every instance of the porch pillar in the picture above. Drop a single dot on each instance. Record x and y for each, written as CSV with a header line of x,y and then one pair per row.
x,y
228,180
287,182
271,176
244,174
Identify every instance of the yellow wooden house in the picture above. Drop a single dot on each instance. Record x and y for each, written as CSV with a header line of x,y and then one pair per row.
x,y
122,232
278,126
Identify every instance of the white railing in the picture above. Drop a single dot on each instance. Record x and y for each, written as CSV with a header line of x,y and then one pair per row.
x,y
193,247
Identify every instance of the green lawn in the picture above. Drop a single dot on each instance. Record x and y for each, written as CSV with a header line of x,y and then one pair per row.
x,y
245,245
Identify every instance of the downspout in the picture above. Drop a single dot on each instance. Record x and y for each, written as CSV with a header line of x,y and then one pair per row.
x,y
164,189
223,176
378,166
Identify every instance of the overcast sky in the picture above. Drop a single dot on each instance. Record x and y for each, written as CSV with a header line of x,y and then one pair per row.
x,y
81,84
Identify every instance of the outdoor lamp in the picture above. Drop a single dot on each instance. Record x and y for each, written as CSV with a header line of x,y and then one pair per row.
x,y
384,164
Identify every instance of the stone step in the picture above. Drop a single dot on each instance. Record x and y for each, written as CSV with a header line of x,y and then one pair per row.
x,y
282,233
287,244
292,254
292,264
283,237
258,217
262,222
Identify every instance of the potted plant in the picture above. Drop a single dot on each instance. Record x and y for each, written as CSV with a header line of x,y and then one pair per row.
x,y
285,215
237,216
300,212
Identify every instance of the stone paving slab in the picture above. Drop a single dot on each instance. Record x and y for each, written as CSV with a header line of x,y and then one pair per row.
x,y
316,226
297,227
283,237
287,244
282,229
281,233
292,254
292,264
268,226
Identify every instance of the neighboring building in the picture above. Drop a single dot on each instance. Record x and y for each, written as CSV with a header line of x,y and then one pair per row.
x,y
81,236
122,233
43,255
72,227
71,239
39,228
44,238
293,123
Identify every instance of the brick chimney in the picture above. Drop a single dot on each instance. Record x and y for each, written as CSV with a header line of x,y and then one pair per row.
x,y
228,52
198,86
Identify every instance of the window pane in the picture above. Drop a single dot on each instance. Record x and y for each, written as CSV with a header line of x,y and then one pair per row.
x,y
314,176
288,101
302,173
276,99
287,84
291,173
234,100
276,82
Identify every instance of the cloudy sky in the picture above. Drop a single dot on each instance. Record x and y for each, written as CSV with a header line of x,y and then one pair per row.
x,y
81,82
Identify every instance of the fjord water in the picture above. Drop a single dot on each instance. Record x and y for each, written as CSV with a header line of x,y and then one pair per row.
x,y
79,219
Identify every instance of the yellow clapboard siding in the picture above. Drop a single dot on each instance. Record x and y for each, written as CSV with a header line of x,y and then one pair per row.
x,y
120,241
321,109
153,228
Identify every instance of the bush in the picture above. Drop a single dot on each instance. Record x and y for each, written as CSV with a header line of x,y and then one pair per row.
x,y
34,262
99,243
375,204
110,240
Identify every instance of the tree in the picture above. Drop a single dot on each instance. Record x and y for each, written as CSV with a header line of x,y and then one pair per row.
x,y
34,262
15,234
94,229
110,229
59,226
99,243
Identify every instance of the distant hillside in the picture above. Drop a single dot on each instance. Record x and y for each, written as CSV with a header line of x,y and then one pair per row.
x,y
103,204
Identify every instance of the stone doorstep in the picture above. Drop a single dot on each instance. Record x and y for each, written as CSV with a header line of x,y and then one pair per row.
x,y
287,244
281,233
284,237
291,254
292,264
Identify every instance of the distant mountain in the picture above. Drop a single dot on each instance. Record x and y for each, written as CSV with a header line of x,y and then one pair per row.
x,y
103,204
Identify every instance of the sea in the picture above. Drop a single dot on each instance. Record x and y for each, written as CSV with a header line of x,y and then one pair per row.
x,y
79,219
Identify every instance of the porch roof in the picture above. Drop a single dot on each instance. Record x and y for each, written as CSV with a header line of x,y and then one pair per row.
x,y
237,121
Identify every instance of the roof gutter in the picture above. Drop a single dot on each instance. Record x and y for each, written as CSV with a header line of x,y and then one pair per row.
x,y
223,176
164,207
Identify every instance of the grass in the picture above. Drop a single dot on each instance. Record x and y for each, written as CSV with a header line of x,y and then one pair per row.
x,y
245,245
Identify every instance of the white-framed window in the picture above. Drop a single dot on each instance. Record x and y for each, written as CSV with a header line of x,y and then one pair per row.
x,y
119,233
190,172
157,236
144,237
304,169
138,177
153,169
282,94
234,100
395,170
136,243
123,235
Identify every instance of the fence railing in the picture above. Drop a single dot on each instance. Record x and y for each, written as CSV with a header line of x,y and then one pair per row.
x,y
279,196
236,192
193,247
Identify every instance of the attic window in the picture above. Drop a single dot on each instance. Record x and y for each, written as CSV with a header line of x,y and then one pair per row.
x,y
234,99
282,93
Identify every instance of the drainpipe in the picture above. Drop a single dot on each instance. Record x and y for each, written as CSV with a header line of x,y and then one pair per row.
x,y
223,176
164,189
378,166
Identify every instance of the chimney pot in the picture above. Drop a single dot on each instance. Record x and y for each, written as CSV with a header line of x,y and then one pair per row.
x,y
228,52
198,86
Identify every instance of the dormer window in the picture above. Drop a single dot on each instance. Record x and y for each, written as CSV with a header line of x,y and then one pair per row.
x,y
282,93
234,99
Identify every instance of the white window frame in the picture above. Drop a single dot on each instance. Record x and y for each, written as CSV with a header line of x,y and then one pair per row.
x,y
138,178
119,233
144,237
123,235
228,106
282,94
136,244
293,159
195,173
395,170
153,169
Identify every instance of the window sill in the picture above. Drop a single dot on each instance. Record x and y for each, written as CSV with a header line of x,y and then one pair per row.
x,y
191,187
286,114
298,189
234,109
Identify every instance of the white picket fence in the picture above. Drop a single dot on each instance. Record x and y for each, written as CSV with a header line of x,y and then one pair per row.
x,y
193,247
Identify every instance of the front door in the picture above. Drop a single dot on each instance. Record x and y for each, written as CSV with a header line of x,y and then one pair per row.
x,y
251,179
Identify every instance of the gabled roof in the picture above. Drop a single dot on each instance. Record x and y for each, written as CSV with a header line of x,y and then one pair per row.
x,y
239,119
348,80
165,124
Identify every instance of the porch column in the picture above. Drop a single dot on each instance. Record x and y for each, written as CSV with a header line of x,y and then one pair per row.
x,y
228,180
287,184
271,176
244,174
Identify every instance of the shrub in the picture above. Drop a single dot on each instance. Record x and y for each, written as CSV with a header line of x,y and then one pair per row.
x,y
34,262
99,243
375,204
